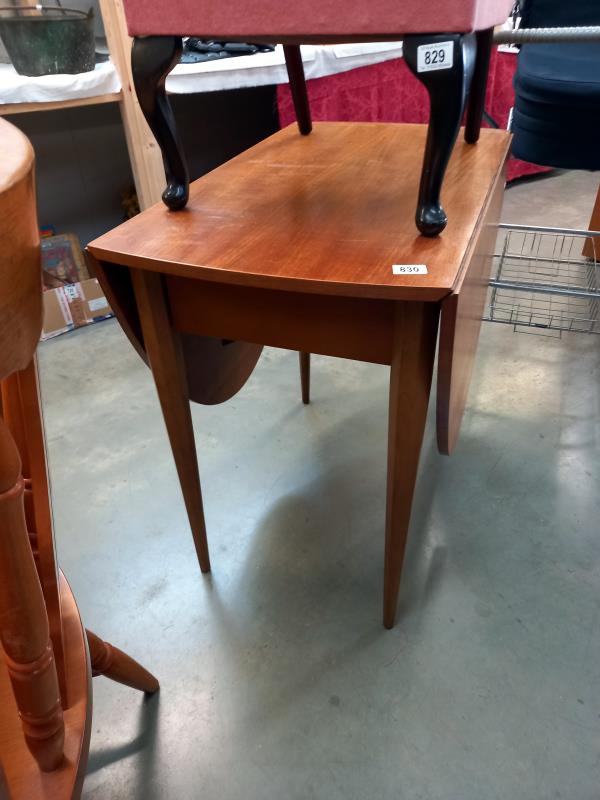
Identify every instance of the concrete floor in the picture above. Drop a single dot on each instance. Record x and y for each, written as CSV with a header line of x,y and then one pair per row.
x,y
278,680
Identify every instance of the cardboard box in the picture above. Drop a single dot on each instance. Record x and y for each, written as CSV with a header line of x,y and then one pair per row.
x,y
62,260
73,306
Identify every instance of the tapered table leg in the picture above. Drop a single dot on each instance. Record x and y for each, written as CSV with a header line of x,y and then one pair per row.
x,y
295,70
414,342
163,346
305,377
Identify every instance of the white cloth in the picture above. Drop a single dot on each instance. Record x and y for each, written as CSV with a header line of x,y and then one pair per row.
x,y
263,69
260,69
15,88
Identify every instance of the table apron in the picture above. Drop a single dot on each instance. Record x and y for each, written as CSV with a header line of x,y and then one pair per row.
x,y
345,327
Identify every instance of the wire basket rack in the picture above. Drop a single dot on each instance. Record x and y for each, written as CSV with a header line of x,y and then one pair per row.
x,y
541,279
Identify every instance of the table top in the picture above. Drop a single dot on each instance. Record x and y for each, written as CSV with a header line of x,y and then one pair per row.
x,y
328,213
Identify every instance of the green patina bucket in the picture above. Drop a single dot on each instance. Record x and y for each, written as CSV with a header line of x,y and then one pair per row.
x,y
49,40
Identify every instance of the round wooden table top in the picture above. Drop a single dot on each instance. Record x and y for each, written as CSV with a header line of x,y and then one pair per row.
x,y
216,369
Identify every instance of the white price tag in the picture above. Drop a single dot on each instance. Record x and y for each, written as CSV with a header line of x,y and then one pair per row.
x,y
97,303
71,291
409,269
431,57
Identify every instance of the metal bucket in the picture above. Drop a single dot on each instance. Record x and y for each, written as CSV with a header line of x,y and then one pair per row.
x,y
48,41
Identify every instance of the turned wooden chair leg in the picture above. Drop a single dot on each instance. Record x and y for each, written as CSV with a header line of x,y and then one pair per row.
x,y
414,343
23,417
4,795
152,58
485,41
428,56
113,663
24,630
163,346
295,70
305,377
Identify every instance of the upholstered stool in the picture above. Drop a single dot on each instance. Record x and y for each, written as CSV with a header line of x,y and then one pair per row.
x,y
447,45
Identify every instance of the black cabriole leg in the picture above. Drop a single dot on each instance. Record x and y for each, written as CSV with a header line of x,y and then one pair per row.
x,y
152,58
444,64
485,40
295,71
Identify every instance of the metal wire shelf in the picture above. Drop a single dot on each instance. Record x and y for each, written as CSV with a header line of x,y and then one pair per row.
x,y
542,280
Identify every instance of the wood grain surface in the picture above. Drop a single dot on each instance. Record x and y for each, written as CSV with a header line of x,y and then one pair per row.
x,y
20,265
591,249
215,369
22,412
460,324
165,354
291,245
24,778
328,213
24,630
414,335
345,327
44,728
108,660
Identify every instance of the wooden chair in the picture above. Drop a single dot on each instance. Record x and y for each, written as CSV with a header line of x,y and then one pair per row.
x,y
447,45
48,657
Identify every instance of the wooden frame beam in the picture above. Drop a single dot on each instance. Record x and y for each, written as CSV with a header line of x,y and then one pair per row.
x,y
144,154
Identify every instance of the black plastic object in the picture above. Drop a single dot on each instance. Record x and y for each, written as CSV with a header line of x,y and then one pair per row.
x,y
557,90
198,50
558,13
48,41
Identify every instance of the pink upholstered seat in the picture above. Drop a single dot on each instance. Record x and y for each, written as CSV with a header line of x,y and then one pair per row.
x,y
447,46
307,20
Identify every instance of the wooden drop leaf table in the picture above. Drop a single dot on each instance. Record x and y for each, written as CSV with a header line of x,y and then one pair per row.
x,y
309,244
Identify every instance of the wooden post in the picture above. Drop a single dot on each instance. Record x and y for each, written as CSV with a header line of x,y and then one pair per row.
x,y
144,153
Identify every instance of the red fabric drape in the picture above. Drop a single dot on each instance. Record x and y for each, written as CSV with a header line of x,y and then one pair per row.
x,y
389,92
